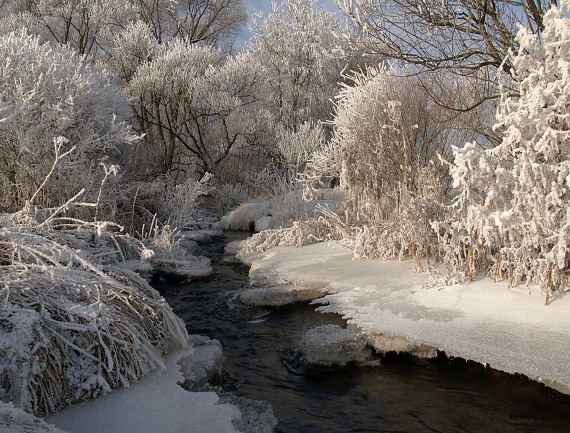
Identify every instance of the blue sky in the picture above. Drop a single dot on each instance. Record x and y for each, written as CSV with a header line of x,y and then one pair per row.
x,y
265,7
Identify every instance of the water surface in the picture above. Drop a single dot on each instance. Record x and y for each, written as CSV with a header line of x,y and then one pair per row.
x,y
398,395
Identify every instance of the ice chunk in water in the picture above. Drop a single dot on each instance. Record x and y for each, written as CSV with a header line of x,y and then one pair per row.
x,y
277,296
204,365
332,345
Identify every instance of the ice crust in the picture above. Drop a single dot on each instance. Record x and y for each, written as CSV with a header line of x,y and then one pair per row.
x,y
276,296
508,329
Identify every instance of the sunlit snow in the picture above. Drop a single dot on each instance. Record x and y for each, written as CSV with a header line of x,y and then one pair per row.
x,y
508,329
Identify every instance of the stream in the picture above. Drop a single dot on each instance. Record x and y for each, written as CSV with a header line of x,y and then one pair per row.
x,y
399,394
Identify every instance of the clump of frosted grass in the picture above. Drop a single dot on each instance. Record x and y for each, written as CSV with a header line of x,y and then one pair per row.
x,y
74,327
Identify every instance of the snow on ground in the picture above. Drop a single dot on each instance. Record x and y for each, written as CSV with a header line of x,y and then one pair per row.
x,y
272,214
156,403
508,329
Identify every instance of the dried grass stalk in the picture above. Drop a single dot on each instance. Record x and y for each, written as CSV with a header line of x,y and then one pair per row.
x,y
72,328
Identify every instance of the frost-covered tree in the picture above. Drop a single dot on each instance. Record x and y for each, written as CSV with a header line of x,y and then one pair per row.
x,y
87,25
459,35
130,48
55,107
212,22
447,38
196,106
79,24
302,59
513,199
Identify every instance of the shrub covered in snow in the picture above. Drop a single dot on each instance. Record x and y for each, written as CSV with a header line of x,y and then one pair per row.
x,y
385,153
512,217
55,105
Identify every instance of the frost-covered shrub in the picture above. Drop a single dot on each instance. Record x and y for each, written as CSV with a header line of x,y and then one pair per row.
x,y
72,328
130,48
180,205
197,108
54,106
513,200
385,152
299,234
229,196
302,60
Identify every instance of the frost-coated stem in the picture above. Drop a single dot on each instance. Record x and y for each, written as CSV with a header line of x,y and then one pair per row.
x,y
62,207
57,144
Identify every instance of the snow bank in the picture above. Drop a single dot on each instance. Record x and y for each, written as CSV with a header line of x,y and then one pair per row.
x,y
262,215
155,404
257,215
14,420
509,329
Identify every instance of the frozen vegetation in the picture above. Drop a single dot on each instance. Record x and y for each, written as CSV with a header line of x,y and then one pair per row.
x,y
126,130
77,325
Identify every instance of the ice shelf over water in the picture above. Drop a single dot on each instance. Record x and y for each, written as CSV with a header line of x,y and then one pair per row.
x,y
508,329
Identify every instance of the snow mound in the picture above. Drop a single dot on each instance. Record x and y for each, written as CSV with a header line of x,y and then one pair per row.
x,y
271,214
189,267
155,404
257,215
14,420
233,247
329,345
203,235
277,296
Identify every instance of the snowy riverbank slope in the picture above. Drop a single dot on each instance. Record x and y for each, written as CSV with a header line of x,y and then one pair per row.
x,y
508,329
156,403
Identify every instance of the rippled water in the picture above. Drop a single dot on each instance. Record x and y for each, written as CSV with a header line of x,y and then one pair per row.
x,y
399,395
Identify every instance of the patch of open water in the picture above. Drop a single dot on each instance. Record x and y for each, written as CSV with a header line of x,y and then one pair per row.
x,y
398,395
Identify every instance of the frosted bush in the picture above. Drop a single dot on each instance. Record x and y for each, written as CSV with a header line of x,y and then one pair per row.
x,y
52,96
72,328
300,234
180,205
229,196
512,219
385,153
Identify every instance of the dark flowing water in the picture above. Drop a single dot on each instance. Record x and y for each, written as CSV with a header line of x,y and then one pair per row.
x,y
400,395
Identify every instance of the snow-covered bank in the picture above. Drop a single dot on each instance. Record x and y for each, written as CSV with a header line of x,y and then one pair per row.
x,y
508,329
272,214
155,404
